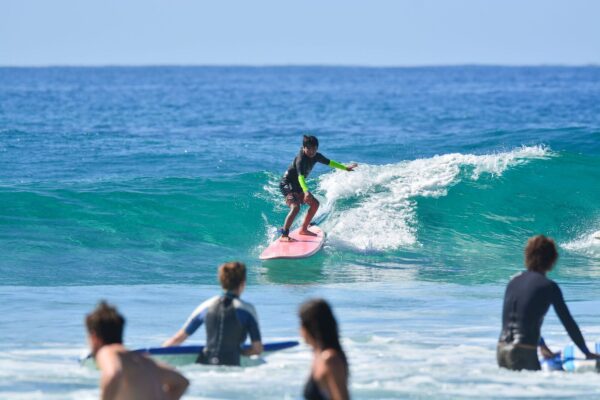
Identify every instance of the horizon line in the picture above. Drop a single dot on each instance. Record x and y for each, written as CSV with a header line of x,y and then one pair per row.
x,y
300,65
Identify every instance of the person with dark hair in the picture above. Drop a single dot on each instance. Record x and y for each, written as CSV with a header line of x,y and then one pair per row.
x,y
127,375
527,299
329,373
229,320
293,184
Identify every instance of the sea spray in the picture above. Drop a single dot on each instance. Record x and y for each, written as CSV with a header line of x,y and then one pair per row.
x,y
383,215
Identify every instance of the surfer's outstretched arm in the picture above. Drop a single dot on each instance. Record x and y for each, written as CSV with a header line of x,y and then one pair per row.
x,y
335,164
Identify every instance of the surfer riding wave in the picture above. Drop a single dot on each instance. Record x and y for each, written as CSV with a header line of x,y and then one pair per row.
x,y
294,188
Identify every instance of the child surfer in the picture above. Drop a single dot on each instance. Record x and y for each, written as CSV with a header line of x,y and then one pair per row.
x,y
293,184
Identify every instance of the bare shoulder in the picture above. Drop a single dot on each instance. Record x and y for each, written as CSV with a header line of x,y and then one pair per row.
x,y
332,358
108,358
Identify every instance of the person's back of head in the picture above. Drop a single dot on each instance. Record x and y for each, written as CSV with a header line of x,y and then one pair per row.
x,y
105,323
310,141
130,375
540,254
317,318
232,275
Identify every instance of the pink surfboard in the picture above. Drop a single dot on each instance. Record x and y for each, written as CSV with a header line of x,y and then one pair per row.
x,y
302,245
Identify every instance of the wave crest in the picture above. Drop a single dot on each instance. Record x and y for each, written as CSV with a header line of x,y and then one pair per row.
x,y
384,214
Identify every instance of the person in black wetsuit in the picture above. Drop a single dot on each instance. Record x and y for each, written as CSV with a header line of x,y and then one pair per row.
x,y
329,373
293,184
527,298
229,320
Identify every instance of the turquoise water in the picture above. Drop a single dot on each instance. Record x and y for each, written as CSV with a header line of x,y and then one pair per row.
x,y
134,184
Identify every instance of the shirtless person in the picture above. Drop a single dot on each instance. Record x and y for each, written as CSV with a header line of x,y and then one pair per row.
x,y
293,184
127,375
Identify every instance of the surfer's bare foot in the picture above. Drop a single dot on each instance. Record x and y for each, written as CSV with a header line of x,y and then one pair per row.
x,y
307,232
286,239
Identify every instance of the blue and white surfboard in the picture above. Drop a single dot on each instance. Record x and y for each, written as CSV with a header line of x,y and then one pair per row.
x,y
184,355
572,360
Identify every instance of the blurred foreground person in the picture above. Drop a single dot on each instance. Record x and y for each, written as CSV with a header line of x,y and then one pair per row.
x,y
527,299
127,375
329,373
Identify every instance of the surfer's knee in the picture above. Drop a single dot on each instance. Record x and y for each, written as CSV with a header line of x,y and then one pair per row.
x,y
294,208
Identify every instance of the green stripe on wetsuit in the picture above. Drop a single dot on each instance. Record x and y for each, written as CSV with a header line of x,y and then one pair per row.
x,y
333,164
302,182
337,165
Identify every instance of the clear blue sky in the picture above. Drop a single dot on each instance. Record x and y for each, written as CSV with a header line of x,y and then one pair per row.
x,y
276,32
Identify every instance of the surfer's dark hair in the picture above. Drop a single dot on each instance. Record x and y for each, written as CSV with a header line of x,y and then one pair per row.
x,y
317,318
232,275
540,253
106,323
310,141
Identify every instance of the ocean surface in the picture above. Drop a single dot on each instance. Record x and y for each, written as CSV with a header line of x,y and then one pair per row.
x,y
134,184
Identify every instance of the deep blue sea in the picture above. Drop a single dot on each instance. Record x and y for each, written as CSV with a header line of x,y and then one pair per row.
x,y
134,184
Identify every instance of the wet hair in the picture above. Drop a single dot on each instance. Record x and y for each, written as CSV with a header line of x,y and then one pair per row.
x,y
540,254
317,318
106,323
310,141
232,275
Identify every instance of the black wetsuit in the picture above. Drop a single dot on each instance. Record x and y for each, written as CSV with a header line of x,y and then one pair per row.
x,y
302,165
527,299
229,320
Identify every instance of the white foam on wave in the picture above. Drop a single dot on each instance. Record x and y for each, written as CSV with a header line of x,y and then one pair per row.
x,y
51,371
384,217
588,244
